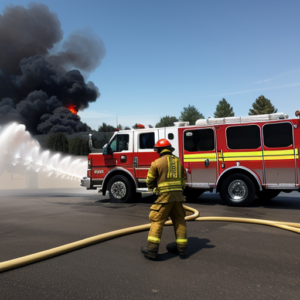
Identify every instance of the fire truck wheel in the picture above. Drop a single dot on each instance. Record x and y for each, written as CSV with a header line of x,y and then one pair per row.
x,y
238,190
120,189
267,195
137,197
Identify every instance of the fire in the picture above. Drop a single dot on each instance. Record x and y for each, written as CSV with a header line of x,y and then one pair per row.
x,y
72,108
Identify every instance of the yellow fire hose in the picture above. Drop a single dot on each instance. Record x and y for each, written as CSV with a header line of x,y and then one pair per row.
x,y
32,258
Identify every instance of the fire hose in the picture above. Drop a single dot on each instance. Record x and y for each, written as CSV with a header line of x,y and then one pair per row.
x,y
32,258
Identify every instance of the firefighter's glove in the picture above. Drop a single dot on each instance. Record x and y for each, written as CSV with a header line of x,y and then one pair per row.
x,y
156,191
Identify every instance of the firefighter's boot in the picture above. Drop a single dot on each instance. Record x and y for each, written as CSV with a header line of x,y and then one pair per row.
x,y
151,250
177,249
149,253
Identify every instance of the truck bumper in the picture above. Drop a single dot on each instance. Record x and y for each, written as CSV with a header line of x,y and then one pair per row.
x,y
86,182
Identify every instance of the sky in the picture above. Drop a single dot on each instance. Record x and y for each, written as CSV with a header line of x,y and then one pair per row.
x,y
162,56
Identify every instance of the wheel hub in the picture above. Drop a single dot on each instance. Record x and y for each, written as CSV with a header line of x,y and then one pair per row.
x,y
238,190
118,189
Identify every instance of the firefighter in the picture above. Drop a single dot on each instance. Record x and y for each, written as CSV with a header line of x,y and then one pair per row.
x,y
166,178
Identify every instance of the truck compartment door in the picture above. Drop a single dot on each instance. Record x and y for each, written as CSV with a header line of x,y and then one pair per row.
x,y
200,155
279,155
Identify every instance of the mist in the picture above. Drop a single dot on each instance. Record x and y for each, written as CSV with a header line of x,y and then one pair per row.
x,y
24,165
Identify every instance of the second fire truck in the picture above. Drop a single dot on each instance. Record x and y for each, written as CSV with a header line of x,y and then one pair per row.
x,y
239,157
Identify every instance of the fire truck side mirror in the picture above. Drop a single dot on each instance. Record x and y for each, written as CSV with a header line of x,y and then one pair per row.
x,y
106,150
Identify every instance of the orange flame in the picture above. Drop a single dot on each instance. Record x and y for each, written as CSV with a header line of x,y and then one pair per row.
x,y
72,108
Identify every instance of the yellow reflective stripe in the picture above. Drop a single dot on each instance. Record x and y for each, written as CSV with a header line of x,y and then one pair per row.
x,y
165,150
259,153
169,169
181,241
170,186
242,153
238,154
280,157
173,189
198,159
150,175
281,152
174,167
154,239
200,155
244,156
169,183
241,158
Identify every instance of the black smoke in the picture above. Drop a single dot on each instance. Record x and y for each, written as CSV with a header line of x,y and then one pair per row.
x,y
35,83
62,120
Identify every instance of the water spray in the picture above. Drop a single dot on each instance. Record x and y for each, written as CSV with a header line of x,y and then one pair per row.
x,y
19,150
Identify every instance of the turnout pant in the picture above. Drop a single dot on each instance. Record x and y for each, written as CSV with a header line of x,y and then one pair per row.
x,y
158,216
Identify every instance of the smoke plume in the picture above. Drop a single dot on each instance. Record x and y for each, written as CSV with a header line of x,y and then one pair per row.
x,y
37,86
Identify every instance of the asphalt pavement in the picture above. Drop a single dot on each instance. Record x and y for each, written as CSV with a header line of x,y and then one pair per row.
x,y
225,260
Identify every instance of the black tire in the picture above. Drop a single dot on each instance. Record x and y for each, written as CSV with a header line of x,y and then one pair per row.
x,y
120,189
238,190
267,195
138,197
191,195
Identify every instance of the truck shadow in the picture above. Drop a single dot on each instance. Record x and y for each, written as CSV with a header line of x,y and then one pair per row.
x,y
282,201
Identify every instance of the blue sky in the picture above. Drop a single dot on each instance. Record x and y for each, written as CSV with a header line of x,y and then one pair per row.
x,y
162,56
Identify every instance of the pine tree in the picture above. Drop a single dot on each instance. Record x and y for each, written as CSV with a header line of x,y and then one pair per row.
x,y
166,121
106,128
190,114
223,109
78,146
58,142
262,106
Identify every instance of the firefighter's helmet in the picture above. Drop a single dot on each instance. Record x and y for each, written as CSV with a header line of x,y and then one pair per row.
x,y
163,144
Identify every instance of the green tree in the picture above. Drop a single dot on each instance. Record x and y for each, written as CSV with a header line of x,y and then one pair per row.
x,y
262,106
166,121
223,109
98,144
190,114
78,146
58,142
106,128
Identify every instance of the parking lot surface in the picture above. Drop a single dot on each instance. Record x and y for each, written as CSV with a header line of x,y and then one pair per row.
x,y
225,260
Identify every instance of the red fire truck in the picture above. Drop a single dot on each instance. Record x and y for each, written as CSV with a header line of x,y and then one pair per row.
x,y
239,157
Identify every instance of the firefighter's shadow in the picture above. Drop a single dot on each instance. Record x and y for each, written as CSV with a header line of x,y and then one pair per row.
x,y
194,245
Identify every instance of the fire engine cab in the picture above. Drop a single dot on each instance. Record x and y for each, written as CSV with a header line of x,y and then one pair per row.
x,y
239,157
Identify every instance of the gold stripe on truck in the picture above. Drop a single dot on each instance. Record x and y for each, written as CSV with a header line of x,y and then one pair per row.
x,y
200,157
243,156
